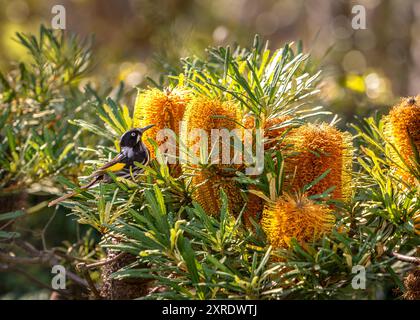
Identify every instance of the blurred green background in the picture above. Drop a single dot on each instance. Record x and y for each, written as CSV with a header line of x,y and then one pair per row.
x,y
134,38
363,70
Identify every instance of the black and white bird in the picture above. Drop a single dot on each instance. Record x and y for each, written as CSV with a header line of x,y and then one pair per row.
x,y
132,149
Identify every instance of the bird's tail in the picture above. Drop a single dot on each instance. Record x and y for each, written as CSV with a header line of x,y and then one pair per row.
x,y
62,198
71,194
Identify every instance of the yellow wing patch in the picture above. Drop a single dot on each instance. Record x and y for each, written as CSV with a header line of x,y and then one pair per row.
x,y
116,167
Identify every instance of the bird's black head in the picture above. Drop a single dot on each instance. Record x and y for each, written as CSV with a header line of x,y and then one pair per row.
x,y
132,137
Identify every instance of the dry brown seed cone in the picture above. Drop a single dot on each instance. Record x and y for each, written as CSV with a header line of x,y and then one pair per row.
x,y
12,202
402,128
412,285
207,114
313,150
124,289
164,109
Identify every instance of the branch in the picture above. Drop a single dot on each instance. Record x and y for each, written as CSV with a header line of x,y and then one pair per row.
x,y
43,258
83,268
405,258
102,262
38,282
9,259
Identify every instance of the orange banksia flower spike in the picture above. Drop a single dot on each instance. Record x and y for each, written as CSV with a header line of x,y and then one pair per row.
x,y
164,109
402,130
312,150
207,186
296,217
205,114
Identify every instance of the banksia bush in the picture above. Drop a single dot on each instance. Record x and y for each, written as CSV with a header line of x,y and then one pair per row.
x,y
402,130
296,217
170,237
164,109
314,149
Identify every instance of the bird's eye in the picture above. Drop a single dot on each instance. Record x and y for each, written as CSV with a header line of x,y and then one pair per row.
x,y
133,134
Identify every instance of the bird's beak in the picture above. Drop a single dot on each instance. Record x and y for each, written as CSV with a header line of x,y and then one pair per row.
x,y
142,130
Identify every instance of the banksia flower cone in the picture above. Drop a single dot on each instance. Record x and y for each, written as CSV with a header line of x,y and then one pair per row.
x,y
402,130
164,109
298,218
314,150
206,114
207,186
